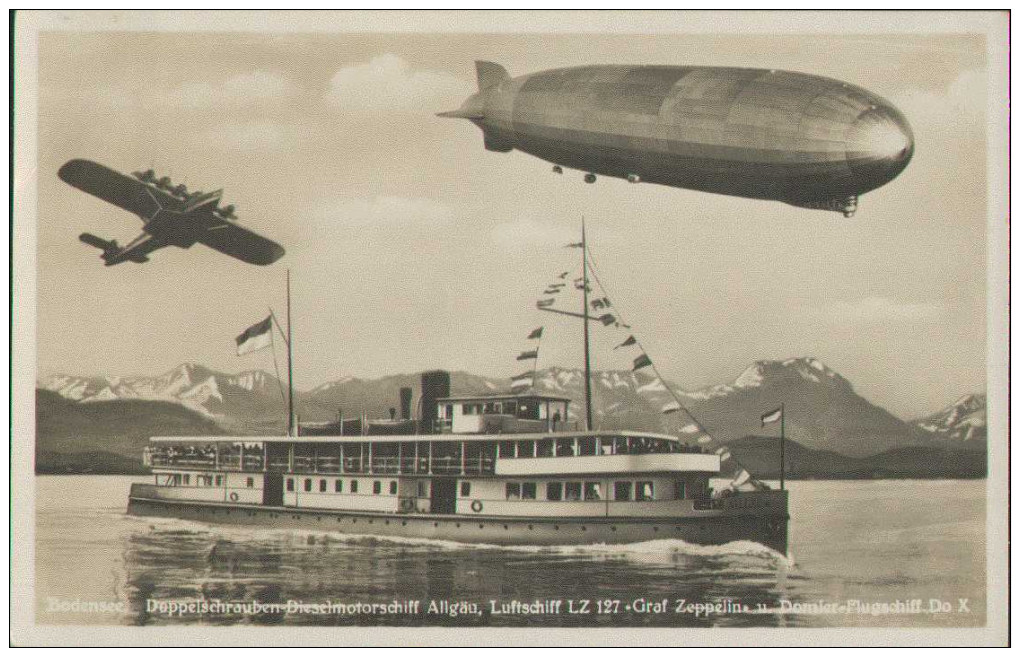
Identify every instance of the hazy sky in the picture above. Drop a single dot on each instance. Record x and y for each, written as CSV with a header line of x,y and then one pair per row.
x,y
411,247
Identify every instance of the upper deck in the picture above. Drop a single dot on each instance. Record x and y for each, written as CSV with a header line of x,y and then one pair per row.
x,y
492,434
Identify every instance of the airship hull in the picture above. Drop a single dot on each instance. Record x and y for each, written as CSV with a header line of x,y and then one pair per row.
x,y
797,138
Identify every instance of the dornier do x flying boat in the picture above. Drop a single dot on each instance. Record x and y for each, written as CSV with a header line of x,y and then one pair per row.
x,y
801,139
171,216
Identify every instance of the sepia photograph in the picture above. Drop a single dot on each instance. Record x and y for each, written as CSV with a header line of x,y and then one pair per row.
x,y
482,327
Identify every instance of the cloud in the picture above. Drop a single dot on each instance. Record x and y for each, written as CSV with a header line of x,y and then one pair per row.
x,y
962,102
257,86
256,135
528,233
387,83
870,310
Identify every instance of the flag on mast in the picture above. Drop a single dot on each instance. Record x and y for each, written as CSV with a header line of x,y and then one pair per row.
x,y
771,417
255,337
523,381
528,355
536,334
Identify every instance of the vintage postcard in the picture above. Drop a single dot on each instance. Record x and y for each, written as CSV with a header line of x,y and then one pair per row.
x,y
472,328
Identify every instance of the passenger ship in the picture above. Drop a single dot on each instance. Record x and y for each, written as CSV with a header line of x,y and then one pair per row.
x,y
497,469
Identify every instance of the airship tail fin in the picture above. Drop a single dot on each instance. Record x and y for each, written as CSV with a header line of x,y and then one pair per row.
x,y
490,74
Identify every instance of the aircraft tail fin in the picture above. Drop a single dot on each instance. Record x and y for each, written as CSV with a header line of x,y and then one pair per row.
x,y
108,247
490,74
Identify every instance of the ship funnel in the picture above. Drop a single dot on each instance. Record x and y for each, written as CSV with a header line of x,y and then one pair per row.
x,y
434,385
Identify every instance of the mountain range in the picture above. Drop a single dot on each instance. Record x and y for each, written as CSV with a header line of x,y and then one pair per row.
x,y
823,412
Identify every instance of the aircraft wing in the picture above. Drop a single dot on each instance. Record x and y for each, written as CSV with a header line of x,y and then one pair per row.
x,y
236,241
118,189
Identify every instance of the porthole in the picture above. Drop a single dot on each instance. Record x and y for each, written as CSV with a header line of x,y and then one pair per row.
x,y
531,527
506,528
556,527
612,528
481,526
584,528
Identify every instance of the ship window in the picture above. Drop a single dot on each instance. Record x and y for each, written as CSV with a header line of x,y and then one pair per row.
x,y
393,488
513,491
506,449
565,447
465,489
449,412
679,489
621,491
545,448
187,479
529,490
592,491
586,446
423,489
645,491
290,485
250,482
554,491
354,485
308,485
606,445
620,446
525,449
376,487
219,480
572,492
338,486
322,485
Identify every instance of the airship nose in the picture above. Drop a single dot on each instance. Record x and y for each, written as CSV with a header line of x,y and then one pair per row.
x,y
879,146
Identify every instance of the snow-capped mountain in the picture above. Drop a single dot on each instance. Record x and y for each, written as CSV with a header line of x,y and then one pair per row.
x,y
823,412
965,421
214,394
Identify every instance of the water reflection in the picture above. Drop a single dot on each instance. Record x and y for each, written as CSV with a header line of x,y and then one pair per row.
x,y
244,567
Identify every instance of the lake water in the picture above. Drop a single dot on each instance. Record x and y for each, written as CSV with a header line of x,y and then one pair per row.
x,y
885,544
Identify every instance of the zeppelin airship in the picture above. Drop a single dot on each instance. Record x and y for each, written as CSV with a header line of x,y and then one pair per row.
x,y
801,139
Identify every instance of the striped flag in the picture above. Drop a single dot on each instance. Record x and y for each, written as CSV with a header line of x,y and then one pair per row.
x,y
522,381
607,319
255,337
771,417
528,355
545,303
536,334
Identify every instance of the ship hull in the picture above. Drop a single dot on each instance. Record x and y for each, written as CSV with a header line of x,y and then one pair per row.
x,y
768,529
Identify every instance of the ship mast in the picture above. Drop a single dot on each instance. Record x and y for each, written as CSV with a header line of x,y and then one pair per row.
x,y
291,428
585,319
584,316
